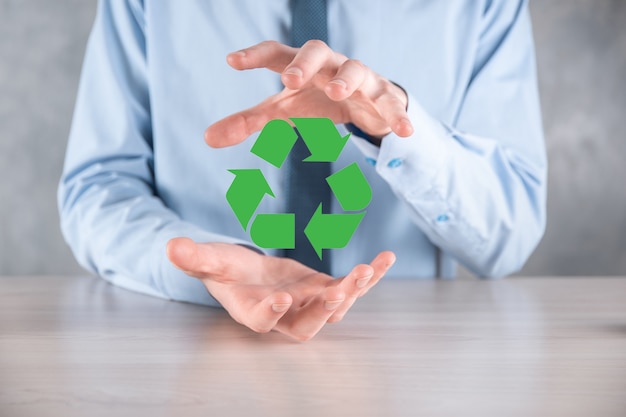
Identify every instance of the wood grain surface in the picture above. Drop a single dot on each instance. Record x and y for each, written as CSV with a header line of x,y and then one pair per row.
x,y
77,346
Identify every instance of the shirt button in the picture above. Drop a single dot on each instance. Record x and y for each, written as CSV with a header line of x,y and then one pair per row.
x,y
371,161
443,218
394,163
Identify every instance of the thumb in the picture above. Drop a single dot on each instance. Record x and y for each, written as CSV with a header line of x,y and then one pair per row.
x,y
183,253
237,127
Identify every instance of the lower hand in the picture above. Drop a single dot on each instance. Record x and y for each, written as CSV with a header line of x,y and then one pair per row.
x,y
268,293
319,82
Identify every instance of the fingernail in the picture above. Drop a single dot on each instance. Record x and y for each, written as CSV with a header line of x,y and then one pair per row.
x,y
331,305
341,83
240,53
294,71
362,282
279,308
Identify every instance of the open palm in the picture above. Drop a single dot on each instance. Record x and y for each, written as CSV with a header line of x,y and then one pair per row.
x,y
269,293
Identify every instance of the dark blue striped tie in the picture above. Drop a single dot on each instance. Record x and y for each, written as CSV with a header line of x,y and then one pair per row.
x,y
306,186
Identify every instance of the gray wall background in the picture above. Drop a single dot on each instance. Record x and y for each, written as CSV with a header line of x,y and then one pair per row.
x,y
581,51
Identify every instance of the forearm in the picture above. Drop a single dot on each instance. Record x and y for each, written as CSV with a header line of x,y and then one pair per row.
x,y
118,229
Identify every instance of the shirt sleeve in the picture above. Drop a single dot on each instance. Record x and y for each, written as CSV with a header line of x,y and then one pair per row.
x,y
110,216
477,188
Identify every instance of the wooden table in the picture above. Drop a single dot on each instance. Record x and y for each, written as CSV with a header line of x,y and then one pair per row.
x,y
529,347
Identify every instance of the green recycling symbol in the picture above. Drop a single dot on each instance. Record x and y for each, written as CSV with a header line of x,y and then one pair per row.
x,y
324,231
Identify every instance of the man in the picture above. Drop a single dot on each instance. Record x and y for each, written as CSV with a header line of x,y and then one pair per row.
x,y
455,156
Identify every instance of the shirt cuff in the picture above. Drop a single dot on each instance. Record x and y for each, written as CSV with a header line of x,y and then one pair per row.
x,y
410,165
416,169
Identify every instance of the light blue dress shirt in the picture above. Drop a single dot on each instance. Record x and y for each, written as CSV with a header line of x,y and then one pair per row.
x,y
469,185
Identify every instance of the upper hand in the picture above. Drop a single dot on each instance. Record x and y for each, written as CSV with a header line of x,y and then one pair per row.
x,y
319,82
269,293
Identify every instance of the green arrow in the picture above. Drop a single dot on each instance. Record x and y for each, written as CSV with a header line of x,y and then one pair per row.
x,y
275,142
351,188
321,137
326,231
246,192
274,230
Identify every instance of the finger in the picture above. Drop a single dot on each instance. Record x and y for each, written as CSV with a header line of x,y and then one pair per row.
x,y
237,127
313,57
387,100
393,111
304,323
272,55
351,285
381,264
349,78
263,316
